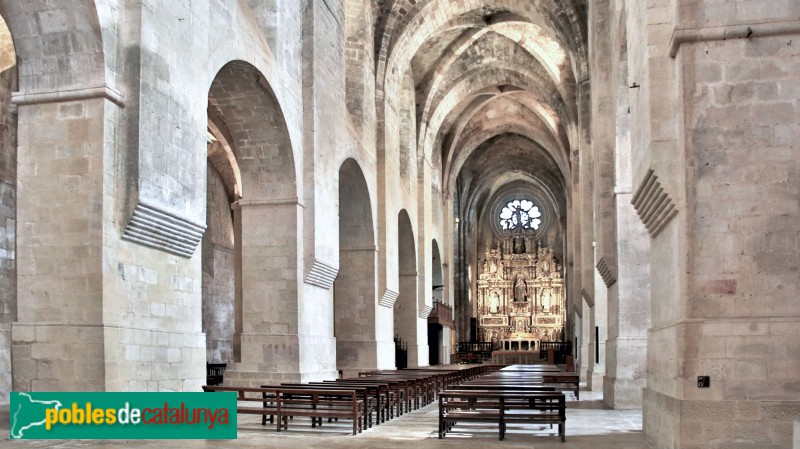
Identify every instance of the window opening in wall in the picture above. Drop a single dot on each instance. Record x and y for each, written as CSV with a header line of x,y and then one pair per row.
x,y
520,215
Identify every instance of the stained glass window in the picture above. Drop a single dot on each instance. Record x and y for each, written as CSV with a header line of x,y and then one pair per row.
x,y
520,215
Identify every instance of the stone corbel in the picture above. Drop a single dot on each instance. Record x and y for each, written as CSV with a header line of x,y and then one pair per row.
x,y
321,275
606,272
653,205
389,298
587,297
157,228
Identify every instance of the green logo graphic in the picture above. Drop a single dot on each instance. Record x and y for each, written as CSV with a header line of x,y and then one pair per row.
x,y
123,415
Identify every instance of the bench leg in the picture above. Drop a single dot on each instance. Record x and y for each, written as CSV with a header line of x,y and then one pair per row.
x,y
561,431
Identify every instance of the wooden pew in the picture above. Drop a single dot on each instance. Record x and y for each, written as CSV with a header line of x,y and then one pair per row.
x,y
370,401
283,402
502,407
395,392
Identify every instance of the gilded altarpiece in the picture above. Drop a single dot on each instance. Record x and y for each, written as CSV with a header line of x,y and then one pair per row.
x,y
520,296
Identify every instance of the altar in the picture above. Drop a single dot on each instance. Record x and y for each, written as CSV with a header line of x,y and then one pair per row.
x,y
519,344
520,296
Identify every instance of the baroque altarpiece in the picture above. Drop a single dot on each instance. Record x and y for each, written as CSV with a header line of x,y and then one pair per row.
x,y
520,296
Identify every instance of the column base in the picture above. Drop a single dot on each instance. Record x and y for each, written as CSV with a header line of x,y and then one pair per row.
x,y
623,394
59,357
672,423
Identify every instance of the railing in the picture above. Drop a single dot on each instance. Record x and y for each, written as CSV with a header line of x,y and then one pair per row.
x,y
473,352
215,373
441,311
561,350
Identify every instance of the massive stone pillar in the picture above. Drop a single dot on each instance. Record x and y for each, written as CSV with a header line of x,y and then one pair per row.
x,y
723,222
628,311
8,207
623,241
270,334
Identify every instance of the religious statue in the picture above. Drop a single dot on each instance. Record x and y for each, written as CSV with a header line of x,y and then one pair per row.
x,y
519,245
493,265
494,302
545,299
520,290
545,266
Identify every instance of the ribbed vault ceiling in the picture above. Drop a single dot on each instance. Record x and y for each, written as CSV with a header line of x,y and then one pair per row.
x,y
495,85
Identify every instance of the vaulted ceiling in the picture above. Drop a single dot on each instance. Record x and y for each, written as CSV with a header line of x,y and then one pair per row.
x,y
496,85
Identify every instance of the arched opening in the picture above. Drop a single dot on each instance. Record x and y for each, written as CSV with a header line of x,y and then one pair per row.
x,y
8,206
406,323
221,285
441,316
355,288
265,224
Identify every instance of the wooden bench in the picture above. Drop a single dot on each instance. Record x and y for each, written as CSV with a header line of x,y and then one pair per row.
x,y
571,381
408,389
502,407
363,393
488,386
393,391
533,374
284,402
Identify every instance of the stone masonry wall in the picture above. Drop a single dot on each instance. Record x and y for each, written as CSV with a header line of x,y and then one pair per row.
x,y
218,273
8,206
743,118
724,293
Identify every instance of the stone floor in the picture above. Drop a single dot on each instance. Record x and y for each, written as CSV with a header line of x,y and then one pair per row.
x,y
589,425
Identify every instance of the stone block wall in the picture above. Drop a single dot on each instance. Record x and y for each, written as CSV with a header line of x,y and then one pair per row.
x,y
8,227
724,293
742,144
218,273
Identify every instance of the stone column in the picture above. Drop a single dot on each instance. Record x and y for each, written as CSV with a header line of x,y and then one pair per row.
x,y
445,349
57,341
628,311
270,348
725,268
354,311
8,207
408,325
629,296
